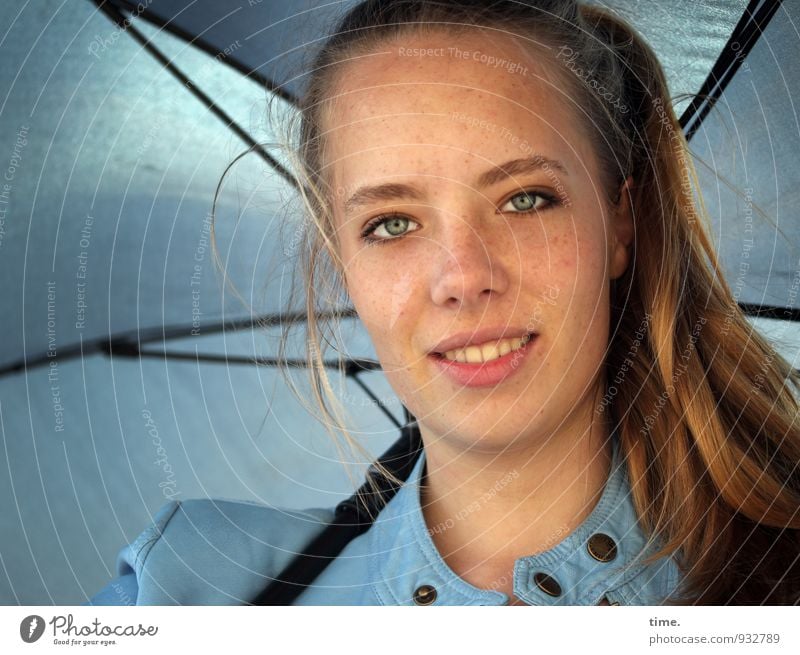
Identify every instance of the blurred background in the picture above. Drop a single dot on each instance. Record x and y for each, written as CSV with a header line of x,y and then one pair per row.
x,y
126,363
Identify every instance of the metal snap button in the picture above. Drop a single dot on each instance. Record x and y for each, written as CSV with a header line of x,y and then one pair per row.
x,y
547,584
424,595
602,547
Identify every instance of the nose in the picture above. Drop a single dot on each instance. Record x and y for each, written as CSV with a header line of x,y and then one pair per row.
x,y
468,268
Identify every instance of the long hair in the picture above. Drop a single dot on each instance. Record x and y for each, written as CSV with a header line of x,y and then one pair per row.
x,y
706,409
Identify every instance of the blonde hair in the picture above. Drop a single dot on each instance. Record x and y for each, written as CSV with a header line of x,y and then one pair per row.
x,y
705,408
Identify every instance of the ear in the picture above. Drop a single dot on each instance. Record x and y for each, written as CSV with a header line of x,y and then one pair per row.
x,y
621,231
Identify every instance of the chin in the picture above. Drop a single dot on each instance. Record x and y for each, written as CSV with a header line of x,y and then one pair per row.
x,y
478,432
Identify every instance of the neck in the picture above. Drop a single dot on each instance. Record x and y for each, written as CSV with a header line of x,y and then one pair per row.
x,y
485,510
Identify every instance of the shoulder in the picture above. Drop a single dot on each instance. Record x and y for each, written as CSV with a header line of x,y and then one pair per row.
x,y
216,552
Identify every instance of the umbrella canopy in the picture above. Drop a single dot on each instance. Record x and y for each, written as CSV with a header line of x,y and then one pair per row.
x,y
114,138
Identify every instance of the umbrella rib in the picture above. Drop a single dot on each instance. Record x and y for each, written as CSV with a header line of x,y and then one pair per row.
x,y
133,351
146,13
124,340
771,311
375,399
116,17
120,343
753,22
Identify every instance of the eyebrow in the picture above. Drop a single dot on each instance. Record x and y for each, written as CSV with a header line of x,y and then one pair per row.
x,y
392,191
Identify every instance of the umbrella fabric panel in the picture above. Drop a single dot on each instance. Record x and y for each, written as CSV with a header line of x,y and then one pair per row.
x,y
746,154
113,167
137,434
273,39
687,37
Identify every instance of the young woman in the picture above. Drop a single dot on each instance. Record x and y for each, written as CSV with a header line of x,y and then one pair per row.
x,y
504,194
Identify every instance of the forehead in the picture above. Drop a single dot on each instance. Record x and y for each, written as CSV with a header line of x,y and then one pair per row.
x,y
441,104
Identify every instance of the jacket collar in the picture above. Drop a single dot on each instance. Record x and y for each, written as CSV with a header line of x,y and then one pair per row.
x,y
405,559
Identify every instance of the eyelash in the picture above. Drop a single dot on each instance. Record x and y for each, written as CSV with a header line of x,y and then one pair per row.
x,y
369,228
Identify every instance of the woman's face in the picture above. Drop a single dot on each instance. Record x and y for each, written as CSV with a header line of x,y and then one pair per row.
x,y
474,248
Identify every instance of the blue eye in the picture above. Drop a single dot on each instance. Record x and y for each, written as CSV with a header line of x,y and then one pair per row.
x,y
530,201
387,228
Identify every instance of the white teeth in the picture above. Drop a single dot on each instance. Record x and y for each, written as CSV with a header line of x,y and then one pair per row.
x,y
487,351
473,354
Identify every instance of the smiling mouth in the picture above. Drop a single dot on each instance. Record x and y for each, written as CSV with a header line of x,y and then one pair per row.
x,y
485,352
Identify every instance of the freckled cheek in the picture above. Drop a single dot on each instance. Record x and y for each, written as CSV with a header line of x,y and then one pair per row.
x,y
569,282
591,253
386,299
591,308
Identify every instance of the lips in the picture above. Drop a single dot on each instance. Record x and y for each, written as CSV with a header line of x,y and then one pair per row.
x,y
478,338
486,373
486,352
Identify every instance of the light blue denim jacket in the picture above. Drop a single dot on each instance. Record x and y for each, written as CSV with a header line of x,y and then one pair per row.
x,y
211,552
